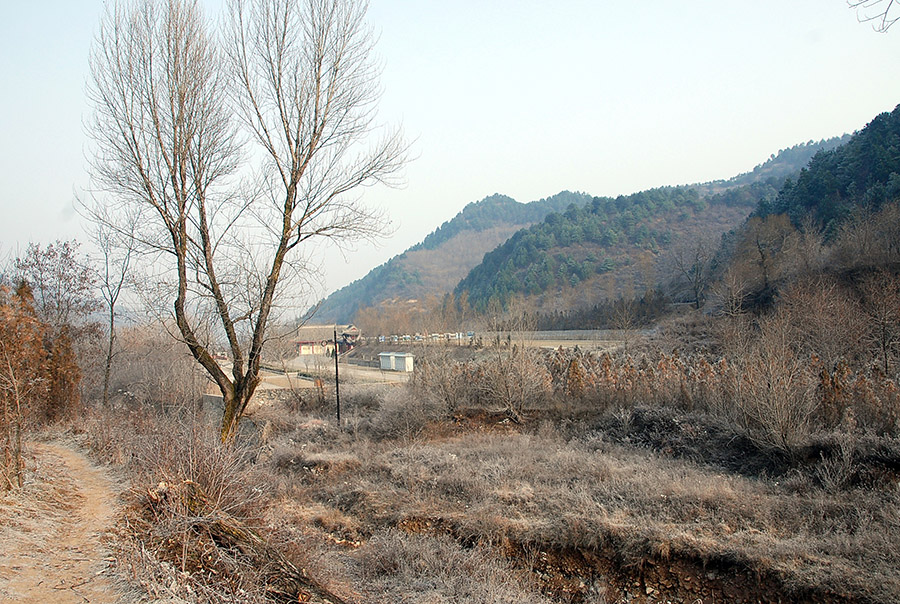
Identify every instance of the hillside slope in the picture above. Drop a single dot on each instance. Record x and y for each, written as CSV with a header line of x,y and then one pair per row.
x,y
864,171
434,266
630,257
624,246
603,249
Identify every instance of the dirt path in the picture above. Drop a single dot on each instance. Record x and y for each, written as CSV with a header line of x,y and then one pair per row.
x,y
50,549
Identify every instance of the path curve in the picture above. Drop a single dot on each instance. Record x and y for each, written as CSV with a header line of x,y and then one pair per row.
x,y
50,548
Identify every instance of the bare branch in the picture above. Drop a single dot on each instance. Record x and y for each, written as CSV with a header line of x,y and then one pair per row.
x,y
877,12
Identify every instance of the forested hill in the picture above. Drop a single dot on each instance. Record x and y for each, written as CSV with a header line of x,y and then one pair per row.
x,y
864,171
620,239
787,162
612,247
661,217
431,268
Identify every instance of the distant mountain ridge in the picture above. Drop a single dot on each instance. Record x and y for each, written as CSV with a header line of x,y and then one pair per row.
x,y
446,256
433,266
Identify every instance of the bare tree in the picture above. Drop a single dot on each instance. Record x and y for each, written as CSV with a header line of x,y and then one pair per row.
x,y
732,291
877,12
624,319
113,276
62,284
173,104
881,306
63,289
692,261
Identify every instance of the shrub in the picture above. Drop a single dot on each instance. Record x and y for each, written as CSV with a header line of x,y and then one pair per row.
x,y
513,380
402,415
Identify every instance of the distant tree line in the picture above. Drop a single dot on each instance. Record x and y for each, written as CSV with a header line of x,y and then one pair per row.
x,y
621,313
584,240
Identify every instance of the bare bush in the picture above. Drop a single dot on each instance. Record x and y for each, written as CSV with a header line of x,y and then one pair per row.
x,y
154,369
401,415
446,381
835,472
825,320
773,388
513,380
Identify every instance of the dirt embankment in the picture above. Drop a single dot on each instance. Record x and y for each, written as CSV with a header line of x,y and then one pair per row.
x,y
50,532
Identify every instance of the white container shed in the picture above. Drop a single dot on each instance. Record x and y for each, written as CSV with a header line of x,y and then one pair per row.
x,y
396,361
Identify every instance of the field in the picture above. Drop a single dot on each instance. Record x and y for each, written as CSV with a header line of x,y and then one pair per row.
x,y
442,490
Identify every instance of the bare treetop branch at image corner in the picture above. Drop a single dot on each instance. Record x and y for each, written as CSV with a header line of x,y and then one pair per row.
x,y
881,13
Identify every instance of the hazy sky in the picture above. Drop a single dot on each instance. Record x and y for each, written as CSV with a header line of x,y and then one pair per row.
x,y
519,97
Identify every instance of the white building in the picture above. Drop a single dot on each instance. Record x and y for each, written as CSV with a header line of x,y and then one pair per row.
x,y
396,361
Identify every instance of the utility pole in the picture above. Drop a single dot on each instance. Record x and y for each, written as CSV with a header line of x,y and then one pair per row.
x,y
337,387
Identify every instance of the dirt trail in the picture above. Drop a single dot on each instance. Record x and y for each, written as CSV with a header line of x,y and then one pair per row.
x,y
50,549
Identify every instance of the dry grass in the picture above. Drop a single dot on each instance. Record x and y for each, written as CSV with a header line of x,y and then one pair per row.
x,y
396,566
406,504
585,492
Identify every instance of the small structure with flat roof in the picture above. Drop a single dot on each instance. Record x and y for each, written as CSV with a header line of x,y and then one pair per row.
x,y
396,361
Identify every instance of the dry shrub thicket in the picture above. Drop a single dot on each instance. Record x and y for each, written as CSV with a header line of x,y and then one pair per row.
x,y
512,379
23,378
39,377
188,494
816,364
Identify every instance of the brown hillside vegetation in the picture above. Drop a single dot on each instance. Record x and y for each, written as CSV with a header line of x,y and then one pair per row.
x,y
443,267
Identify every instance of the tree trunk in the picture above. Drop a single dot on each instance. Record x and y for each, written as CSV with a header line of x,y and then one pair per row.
x,y
234,406
17,454
109,355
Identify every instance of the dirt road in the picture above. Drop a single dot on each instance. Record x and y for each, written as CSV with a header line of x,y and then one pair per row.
x,y
50,549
